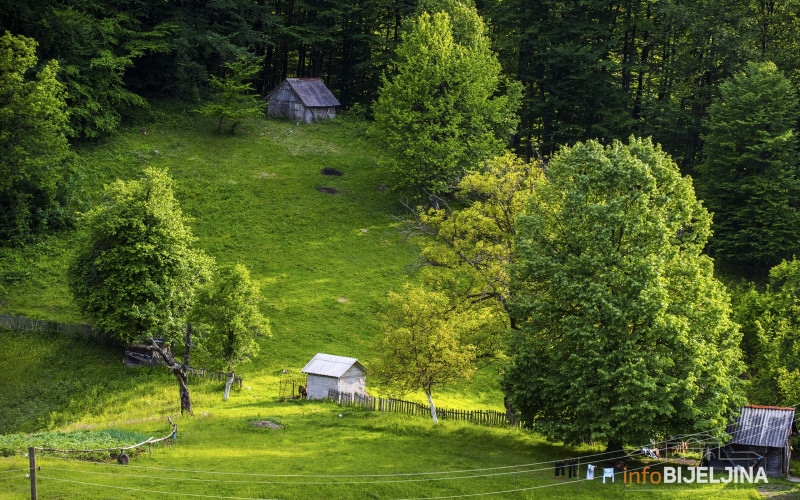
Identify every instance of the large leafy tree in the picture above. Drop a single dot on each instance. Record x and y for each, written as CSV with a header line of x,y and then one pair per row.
x,y
231,322
770,321
624,332
35,158
136,273
750,175
467,250
444,110
423,345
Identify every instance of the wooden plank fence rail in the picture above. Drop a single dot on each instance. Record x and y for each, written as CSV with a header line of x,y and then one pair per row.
x,y
86,332
487,417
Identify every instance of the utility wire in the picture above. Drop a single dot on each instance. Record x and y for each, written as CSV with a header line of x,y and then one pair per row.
x,y
148,491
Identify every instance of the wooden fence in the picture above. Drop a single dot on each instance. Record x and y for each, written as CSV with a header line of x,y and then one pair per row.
x,y
86,332
289,384
488,417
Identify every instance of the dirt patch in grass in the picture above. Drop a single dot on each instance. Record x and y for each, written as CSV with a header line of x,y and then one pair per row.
x,y
261,424
332,171
776,491
327,190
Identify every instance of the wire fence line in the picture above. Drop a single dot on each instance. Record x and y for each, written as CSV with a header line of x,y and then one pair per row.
x,y
487,417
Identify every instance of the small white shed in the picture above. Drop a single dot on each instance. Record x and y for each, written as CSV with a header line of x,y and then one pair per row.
x,y
326,371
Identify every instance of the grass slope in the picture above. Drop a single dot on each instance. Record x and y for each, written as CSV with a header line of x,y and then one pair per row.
x,y
325,263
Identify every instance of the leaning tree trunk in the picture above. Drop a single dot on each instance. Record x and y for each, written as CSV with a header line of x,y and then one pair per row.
x,y
183,387
433,408
181,371
228,385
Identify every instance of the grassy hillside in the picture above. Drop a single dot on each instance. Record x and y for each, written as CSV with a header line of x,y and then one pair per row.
x,y
324,262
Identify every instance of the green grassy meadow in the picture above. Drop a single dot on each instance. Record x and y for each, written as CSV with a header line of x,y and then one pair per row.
x,y
324,263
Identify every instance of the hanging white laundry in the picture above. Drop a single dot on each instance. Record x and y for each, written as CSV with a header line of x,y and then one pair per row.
x,y
608,472
590,471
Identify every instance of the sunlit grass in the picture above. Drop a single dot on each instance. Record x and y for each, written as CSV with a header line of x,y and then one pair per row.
x,y
325,263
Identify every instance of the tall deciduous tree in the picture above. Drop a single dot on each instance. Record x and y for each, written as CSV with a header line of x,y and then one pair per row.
x,y
422,346
750,175
232,323
468,249
625,333
136,273
35,159
444,110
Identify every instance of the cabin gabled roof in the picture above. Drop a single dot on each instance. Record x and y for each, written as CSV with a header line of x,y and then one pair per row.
x,y
312,92
764,426
329,365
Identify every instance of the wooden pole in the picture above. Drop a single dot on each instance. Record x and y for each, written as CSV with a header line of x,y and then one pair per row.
x,y
579,477
32,458
515,476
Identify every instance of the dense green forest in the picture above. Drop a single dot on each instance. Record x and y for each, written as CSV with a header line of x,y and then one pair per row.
x,y
450,85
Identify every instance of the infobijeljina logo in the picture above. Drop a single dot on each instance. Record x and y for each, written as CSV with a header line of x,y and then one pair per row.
x,y
697,475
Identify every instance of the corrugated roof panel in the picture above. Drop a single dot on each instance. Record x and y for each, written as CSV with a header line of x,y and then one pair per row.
x,y
329,365
763,426
313,92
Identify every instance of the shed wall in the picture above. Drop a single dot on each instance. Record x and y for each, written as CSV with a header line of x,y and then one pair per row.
x,y
284,102
353,381
318,386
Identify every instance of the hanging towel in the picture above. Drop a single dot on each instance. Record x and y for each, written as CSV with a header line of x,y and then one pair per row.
x,y
590,471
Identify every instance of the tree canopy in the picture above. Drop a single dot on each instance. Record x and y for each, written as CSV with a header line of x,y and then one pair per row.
x,y
422,346
35,158
136,273
234,98
624,331
231,322
444,110
750,174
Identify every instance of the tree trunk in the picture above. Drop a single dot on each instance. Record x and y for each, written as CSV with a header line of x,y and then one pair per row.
x,y
433,408
180,371
228,385
183,387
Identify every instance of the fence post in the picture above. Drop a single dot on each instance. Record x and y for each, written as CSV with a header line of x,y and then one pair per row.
x,y
579,477
32,459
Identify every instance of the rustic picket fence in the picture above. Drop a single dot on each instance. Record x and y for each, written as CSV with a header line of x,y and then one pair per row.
x,y
487,417
86,332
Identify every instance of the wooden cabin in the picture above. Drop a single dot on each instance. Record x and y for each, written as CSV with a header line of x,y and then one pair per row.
x,y
302,100
760,438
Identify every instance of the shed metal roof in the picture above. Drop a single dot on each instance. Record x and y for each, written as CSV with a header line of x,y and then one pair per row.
x,y
764,426
329,365
312,92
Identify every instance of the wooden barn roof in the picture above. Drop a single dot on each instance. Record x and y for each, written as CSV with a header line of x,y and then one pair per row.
x,y
312,92
764,426
329,365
